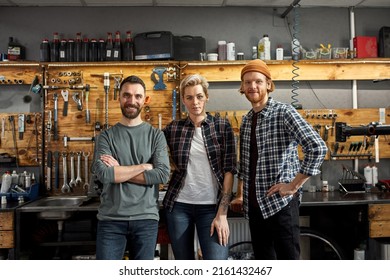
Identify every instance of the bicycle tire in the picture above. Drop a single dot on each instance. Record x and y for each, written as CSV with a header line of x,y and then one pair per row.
x,y
312,233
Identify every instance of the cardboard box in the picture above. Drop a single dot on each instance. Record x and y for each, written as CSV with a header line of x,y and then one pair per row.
x,y
365,47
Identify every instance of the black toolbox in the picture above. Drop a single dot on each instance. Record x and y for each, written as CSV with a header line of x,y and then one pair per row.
x,y
154,45
384,42
188,47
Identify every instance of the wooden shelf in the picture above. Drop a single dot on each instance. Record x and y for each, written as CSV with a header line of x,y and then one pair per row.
x,y
309,70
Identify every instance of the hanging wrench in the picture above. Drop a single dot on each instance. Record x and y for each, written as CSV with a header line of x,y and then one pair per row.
x,y
78,178
65,95
72,182
86,184
65,187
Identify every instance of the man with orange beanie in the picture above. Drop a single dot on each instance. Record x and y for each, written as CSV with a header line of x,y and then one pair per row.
x,y
270,174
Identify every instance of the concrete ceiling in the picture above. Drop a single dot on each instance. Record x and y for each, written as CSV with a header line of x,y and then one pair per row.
x,y
195,3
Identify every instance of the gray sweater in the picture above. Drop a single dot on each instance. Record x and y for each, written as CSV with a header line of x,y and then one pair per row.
x,y
131,146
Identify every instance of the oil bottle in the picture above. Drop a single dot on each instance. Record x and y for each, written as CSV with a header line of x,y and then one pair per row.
x,y
15,50
117,56
63,55
55,48
77,47
44,51
128,53
109,47
70,50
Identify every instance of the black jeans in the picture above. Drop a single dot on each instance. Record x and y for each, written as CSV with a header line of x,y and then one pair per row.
x,y
276,237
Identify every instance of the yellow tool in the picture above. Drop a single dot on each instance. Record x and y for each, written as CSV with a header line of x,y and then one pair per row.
x,y
326,48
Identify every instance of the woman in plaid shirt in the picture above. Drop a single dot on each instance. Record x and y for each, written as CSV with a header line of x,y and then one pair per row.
x,y
203,156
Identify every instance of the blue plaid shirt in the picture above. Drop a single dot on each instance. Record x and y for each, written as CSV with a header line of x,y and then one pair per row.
x,y
280,129
220,147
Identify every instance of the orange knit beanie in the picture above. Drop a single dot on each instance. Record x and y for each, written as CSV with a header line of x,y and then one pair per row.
x,y
258,65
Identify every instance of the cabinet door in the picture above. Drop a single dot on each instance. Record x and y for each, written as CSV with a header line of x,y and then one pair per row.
x,y
6,221
7,239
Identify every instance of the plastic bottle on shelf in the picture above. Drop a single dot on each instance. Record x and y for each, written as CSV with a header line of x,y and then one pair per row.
x,y
62,57
230,51
101,50
85,50
128,53
93,50
254,52
44,51
264,48
109,47
70,50
325,186
222,50
54,48
77,47
15,50
279,53
117,55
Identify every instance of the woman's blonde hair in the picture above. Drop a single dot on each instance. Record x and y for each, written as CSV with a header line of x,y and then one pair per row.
x,y
193,80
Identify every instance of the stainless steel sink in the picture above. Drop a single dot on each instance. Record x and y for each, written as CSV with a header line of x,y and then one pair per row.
x,y
56,207
60,201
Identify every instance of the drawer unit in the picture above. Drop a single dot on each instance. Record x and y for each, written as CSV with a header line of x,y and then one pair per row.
x,y
379,220
6,230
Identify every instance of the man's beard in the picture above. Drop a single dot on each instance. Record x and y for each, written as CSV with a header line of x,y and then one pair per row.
x,y
128,115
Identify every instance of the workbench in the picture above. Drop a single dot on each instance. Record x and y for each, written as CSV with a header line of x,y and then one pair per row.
x,y
346,218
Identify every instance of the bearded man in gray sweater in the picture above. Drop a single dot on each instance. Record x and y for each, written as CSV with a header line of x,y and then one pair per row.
x,y
131,160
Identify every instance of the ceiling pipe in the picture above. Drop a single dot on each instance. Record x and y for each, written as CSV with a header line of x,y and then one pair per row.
x,y
292,5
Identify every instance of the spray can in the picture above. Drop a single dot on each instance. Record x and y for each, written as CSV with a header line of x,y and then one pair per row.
x,y
15,177
27,183
368,176
231,51
6,181
374,175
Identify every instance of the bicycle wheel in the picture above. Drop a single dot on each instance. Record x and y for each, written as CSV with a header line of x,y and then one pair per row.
x,y
319,245
241,251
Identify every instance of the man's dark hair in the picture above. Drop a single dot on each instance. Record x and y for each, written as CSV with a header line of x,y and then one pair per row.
x,y
133,80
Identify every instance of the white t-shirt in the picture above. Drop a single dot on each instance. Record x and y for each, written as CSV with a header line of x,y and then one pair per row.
x,y
200,184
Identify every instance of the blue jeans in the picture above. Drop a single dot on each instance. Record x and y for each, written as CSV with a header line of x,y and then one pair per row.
x,y
278,236
140,236
181,224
